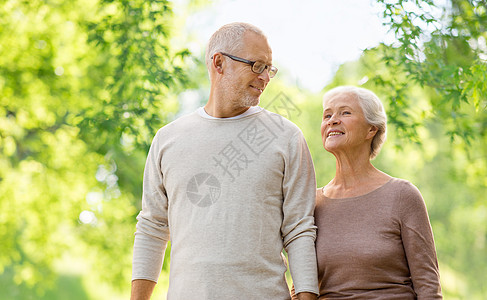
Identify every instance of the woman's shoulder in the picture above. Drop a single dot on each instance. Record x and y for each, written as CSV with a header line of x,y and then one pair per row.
x,y
408,197
403,185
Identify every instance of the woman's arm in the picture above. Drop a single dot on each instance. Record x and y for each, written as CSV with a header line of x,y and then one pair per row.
x,y
419,245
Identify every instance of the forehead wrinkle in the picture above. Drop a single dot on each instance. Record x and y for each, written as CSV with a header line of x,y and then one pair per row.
x,y
266,59
341,107
256,48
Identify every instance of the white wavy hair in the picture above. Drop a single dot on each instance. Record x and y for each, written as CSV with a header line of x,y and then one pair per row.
x,y
373,111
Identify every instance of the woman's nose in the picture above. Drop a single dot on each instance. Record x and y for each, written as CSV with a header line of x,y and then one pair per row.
x,y
333,120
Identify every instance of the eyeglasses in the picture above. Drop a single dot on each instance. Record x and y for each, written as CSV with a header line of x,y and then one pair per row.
x,y
257,66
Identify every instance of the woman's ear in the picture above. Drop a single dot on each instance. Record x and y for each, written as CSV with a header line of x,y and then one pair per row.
x,y
372,132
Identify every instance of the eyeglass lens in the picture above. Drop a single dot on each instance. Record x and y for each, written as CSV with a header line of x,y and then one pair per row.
x,y
259,67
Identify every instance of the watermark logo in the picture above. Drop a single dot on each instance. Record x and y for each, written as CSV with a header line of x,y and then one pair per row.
x,y
231,160
284,106
203,189
257,136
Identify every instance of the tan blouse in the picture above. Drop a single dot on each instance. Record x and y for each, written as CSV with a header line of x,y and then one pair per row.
x,y
376,246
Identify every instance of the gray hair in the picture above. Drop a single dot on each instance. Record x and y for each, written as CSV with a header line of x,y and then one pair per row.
x,y
372,108
229,38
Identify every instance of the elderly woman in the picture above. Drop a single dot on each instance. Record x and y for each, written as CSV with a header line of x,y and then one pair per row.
x,y
374,237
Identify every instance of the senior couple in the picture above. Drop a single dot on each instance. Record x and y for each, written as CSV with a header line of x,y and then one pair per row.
x,y
232,185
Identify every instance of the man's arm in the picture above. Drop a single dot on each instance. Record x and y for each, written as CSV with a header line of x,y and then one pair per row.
x,y
152,232
298,229
302,295
142,289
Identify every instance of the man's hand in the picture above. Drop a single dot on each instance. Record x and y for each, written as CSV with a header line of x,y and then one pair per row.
x,y
307,296
142,289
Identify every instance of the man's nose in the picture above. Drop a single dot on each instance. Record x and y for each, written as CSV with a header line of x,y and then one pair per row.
x,y
265,75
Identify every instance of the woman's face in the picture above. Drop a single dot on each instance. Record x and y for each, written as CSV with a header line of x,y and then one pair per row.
x,y
344,127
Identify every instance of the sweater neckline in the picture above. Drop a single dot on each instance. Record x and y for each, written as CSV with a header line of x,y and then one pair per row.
x,y
245,116
359,196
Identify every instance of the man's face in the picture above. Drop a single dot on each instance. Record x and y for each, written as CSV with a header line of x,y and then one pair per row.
x,y
240,84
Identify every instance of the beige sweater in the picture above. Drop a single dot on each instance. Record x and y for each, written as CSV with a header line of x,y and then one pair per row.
x,y
376,246
230,194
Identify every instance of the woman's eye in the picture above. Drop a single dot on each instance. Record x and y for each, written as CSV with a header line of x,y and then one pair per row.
x,y
326,116
346,113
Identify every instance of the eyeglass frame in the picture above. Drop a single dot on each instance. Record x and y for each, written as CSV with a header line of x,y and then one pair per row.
x,y
271,69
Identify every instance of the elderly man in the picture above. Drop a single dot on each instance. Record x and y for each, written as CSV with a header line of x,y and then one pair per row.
x,y
232,185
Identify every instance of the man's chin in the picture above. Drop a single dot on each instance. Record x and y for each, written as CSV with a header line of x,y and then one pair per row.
x,y
252,102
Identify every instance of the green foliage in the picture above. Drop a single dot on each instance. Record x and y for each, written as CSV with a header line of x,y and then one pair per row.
x,y
84,85
447,54
138,70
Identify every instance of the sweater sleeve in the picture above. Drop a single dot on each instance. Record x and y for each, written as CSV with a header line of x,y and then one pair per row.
x,y
152,230
298,229
419,245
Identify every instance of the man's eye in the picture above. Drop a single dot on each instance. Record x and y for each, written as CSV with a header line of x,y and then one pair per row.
x,y
346,113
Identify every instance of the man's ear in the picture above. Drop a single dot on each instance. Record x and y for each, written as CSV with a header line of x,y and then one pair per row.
x,y
217,62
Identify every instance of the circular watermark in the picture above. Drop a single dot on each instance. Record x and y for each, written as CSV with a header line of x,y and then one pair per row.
x,y
203,189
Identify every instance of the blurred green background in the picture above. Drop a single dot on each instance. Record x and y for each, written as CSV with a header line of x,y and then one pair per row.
x,y
84,85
